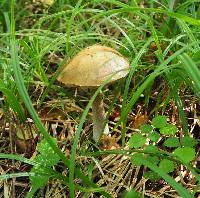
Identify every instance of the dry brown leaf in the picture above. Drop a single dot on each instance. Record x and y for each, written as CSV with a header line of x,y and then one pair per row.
x,y
139,120
109,143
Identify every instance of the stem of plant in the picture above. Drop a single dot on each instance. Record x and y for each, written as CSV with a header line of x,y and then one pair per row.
x,y
99,117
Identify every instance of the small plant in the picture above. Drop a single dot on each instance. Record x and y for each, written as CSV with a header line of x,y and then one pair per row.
x,y
42,170
174,150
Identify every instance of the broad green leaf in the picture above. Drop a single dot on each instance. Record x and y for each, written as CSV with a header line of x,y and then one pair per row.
x,y
159,121
154,136
137,159
47,154
186,154
151,148
131,194
188,141
153,159
45,160
137,140
172,142
146,128
152,176
41,177
168,130
166,165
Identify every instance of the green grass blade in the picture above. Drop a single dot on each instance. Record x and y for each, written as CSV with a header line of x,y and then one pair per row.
x,y
182,115
75,11
186,29
193,72
17,157
12,101
14,175
180,189
174,90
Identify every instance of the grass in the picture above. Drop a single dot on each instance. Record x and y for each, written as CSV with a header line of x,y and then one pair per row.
x,y
161,42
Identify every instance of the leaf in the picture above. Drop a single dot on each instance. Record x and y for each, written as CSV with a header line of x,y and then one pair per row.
x,y
188,141
137,141
131,194
179,188
137,159
196,56
146,128
45,160
168,130
159,121
172,142
152,176
47,155
166,165
12,100
154,136
185,154
153,159
41,177
193,72
151,148
139,120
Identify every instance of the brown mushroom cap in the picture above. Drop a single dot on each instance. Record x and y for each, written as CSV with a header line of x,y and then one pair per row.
x,y
93,65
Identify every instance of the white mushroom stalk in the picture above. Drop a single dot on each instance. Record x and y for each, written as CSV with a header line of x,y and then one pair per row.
x,y
99,116
90,68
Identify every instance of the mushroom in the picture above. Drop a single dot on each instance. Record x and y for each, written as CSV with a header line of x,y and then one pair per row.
x,y
90,68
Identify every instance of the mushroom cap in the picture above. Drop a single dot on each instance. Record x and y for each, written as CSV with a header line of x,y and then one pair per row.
x,y
93,65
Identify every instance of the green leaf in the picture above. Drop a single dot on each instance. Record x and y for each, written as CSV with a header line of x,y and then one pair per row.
x,y
166,165
185,154
152,176
154,136
193,72
159,121
172,142
151,148
188,141
90,168
137,141
168,130
12,100
153,159
179,188
196,56
47,155
131,194
41,177
137,159
146,128
45,160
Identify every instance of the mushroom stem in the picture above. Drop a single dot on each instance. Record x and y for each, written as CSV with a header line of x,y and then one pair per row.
x,y
99,116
